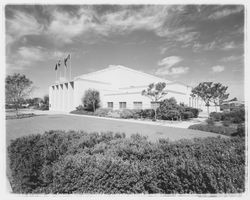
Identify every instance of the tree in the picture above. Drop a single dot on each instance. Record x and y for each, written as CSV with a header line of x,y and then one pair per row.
x,y
155,92
17,89
205,91
210,92
46,99
91,99
219,94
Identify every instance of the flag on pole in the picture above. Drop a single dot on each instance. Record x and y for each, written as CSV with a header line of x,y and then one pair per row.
x,y
59,63
56,67
65,60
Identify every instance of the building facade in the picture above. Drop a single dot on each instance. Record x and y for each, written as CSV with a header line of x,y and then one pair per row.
x,y
120,87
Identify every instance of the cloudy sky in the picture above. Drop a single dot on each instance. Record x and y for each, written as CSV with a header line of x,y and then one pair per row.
x,y
187,43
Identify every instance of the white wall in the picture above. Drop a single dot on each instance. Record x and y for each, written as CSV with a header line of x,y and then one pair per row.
x,y
115,84
122,77
61,97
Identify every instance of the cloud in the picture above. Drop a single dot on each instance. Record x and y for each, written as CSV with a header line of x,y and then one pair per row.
x,y
218,69
26,57
168,68
225,12
169,61
229,45
172,71
231,58
31,53
65,26
22,24
216,44
87,21
150,18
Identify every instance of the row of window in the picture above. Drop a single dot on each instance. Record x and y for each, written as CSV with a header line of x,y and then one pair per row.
x,y
123,105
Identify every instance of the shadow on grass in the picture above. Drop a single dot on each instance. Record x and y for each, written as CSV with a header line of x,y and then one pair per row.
x,y
21,116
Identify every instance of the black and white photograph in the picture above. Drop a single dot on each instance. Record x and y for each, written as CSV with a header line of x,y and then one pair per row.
x,y
110,98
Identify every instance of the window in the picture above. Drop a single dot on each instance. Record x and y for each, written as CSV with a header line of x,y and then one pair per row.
x,y
155,105
110,105
137,105
122,105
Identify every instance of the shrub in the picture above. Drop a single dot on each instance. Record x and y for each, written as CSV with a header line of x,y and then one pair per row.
x,y
216,116
25,163
170,110
187,115
126,114
240,131
148,113
236,116
80,107
82,112
75,162
103,112
226,123
137,113
214,129
171,115
114,114
210,121
194,111
91,99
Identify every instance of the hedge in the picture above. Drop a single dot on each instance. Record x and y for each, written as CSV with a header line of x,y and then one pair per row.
x,y
236,116
77,162
214,129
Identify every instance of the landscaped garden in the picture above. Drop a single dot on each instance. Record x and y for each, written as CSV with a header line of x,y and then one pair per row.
x,y
78,162
168,109
230,123
160,160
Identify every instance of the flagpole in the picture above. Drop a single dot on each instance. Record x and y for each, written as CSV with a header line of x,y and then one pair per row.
x,y
65,72
60,73
70,66
56,75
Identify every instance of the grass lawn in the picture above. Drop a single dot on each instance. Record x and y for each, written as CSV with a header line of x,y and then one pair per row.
x,y
39,124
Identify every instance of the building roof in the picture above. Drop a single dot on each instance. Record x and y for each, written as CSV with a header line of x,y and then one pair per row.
x,y
114,67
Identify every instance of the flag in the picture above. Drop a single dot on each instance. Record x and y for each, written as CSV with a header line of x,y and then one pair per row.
x,y
59,63
66,59
56,67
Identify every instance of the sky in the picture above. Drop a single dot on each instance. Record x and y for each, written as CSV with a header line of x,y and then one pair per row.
x,y
186,43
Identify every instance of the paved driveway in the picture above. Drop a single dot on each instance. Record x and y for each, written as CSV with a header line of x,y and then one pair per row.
x,y
39,124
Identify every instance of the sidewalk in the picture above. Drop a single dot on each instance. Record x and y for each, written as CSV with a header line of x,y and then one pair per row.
x,y
178,124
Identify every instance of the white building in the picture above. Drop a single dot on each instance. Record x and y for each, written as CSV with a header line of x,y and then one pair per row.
x,y
120,87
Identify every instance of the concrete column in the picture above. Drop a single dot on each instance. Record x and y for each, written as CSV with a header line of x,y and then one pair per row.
x,y
71,96
50,97
57,97
66,93
61,97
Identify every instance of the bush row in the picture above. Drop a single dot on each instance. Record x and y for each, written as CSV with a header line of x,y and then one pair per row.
x,y
77,162
236,116
168,110
20,116
224,130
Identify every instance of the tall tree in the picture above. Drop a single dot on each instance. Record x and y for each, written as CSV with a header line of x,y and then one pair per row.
x,y
17,89
219,94
46,99
205,91
91,99
210,92
155,92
